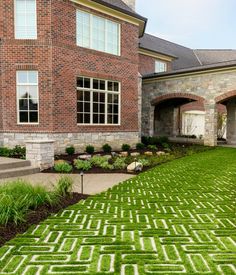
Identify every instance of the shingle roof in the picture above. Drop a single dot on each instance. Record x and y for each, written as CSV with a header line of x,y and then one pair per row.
x,y
185,56
121,6
215,56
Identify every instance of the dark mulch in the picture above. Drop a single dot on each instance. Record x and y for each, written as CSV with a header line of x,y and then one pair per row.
x,y
35,217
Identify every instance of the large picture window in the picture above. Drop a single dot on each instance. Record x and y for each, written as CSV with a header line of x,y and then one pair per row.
x,y
27,96
98,101
25,19
98,33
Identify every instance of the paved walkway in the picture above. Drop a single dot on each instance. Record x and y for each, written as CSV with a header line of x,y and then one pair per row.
x,y
178,218
93,183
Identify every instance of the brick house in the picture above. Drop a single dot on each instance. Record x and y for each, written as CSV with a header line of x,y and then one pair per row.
x,y
72,70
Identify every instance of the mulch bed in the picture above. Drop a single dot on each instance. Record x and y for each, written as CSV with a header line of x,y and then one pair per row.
x,y
35,217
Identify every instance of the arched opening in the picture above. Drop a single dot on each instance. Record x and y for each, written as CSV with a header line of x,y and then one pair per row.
x,y
175,115
228,100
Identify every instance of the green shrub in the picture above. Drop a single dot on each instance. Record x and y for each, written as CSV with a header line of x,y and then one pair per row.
x,y
18,151
101,162
154,140
64,186
19,197
125,147
145,140
119,163
70,150
106,148
63,167
90,149
5,152
98,160
84,165
140,146
152,147
145,162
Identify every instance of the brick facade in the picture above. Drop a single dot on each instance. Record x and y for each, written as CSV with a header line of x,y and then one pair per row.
x,y
59,62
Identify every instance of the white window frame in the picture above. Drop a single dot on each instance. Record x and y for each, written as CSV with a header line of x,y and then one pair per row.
x,y
18,99
106,92
90,34
36,25
157,66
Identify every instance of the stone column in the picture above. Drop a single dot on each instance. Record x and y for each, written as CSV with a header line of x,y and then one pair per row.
x,y
140,104
231,122
210,137
151,120
176,122
40,153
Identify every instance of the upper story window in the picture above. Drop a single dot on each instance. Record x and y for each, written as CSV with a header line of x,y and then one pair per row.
x,y
98,101
25,19
27,97
98,33
160,66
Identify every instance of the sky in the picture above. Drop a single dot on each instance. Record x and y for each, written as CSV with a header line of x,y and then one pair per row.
x,y
197,24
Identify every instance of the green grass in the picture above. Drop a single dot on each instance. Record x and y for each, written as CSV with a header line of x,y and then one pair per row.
x,y
178,218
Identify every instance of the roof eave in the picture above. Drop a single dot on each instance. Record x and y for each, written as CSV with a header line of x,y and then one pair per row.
x,y
192,70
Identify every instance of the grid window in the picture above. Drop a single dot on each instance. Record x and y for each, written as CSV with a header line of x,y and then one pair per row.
x,y
98,33
98,101
160,66
25,19
27,96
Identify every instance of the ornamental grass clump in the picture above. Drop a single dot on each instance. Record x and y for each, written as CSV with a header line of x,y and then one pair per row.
x,y
63,167
64,186
19,197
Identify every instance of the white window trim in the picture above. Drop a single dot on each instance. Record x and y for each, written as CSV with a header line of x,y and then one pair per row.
x,y
90,35
17,99
36,19
106,92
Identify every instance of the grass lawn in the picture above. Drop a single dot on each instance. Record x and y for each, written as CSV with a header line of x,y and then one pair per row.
x,y
176,218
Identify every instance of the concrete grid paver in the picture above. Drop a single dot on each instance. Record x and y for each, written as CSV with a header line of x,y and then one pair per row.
x,y
178,218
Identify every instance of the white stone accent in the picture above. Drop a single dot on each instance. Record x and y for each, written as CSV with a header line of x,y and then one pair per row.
x,y
40,153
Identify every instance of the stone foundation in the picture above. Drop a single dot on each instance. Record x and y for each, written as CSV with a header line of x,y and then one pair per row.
x,y
79,140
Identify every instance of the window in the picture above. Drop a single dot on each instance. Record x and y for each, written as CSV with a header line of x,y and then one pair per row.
x,y
27,96
25,19
98,101
160,66
97,33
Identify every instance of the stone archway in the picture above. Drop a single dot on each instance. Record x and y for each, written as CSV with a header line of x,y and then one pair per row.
x,y
229,100
167,112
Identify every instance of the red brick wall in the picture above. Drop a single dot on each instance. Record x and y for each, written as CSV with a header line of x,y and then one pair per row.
x,y
59,61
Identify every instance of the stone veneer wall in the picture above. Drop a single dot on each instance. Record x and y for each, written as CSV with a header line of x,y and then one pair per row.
x,y
79,140
209,86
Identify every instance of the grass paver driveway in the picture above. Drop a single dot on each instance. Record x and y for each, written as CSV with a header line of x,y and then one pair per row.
x,y
176,218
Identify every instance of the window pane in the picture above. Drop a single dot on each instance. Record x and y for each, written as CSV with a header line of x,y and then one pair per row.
x,y
87,107
95,97
80,96
95,108
80,82
87,118
23,92
24,117
116,86
95,119
25,19
116,99
33,104
95,84
80,107
102,85
23,104
33,117
115,119
86,96
33,91
109,119
87,83
102,119
80,118
83,29
22,77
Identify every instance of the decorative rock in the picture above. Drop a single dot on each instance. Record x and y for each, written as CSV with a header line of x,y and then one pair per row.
x,y
85,157
135,167
161,153
135,154
124,154
114,154
148,153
